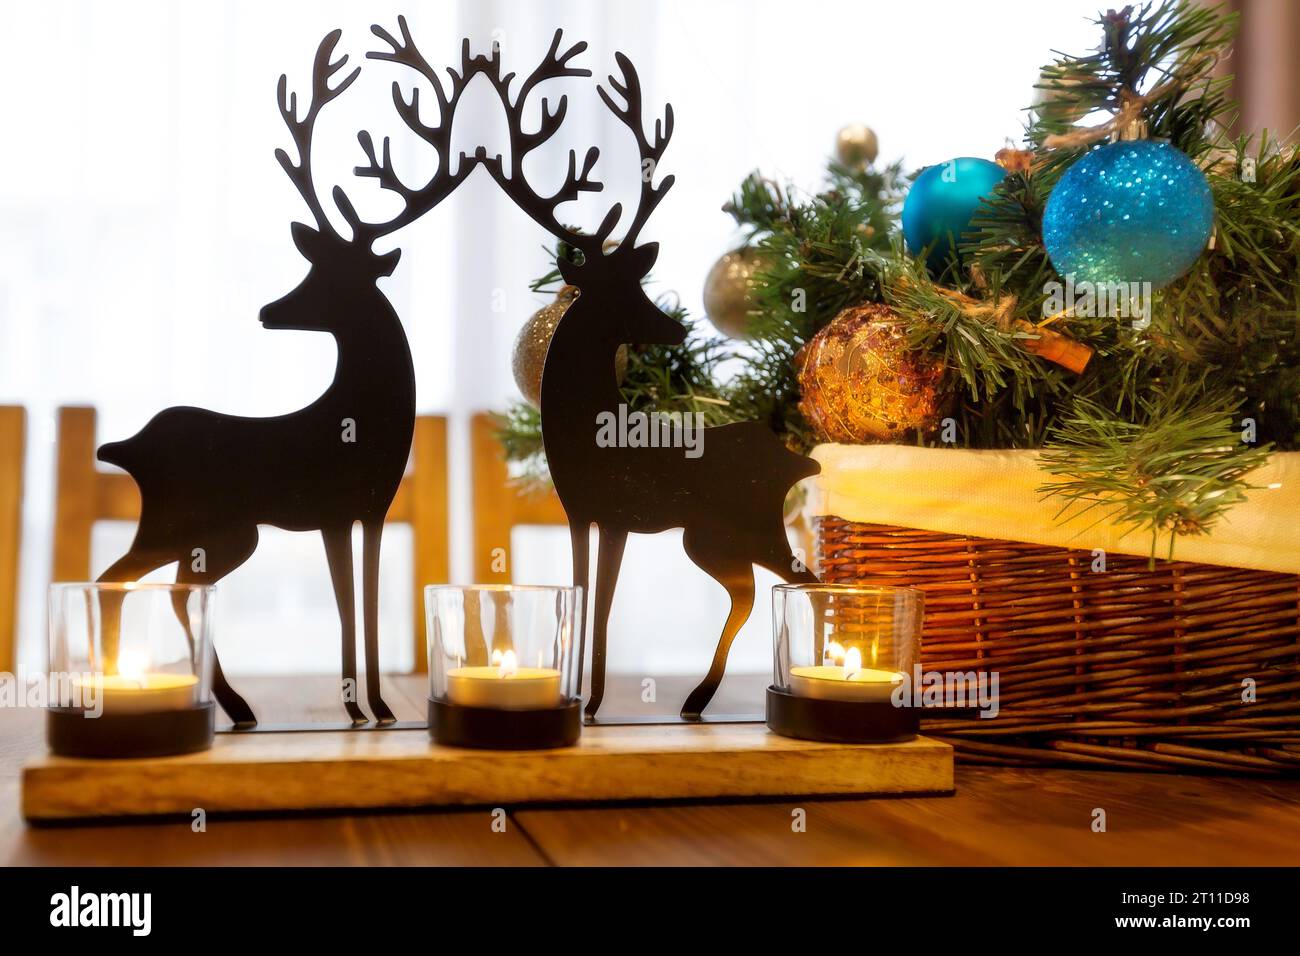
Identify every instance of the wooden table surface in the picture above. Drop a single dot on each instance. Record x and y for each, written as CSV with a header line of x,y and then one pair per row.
x,y
997,816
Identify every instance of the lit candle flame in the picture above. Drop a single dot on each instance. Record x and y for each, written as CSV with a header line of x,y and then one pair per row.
x,y
852,662
132,665
508,665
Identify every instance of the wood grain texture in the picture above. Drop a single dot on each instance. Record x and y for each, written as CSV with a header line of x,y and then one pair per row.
x,y
406,839
395,769
448,839
996,817
13,441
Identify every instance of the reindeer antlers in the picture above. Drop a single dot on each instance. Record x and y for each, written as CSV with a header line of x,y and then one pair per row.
x,y
443,182
630,115
542,208
301,129
552,67
379,166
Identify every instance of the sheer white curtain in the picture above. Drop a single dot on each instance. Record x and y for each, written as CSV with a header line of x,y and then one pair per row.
x,y
143,222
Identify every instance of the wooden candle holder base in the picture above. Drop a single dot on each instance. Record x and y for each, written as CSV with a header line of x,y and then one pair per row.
x,y
270,773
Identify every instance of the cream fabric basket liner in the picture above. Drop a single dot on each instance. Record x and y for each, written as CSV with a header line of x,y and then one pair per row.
x,y
993,494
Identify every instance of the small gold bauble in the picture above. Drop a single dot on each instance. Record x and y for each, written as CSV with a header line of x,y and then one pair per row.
x,y
728,292
861,383
535,338
856,146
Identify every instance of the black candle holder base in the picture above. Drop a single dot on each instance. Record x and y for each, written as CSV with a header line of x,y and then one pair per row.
x,y
70,733
840,721
491,728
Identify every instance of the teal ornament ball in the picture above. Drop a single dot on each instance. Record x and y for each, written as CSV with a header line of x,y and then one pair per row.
x,y
1136,211
941,203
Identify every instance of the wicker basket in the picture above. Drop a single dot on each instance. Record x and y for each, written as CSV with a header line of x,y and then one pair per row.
x,y
1139,667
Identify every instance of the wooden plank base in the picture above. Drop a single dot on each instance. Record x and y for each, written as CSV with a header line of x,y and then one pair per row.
x,y
270,772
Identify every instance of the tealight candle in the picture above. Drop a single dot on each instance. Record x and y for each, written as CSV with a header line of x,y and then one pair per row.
x,y
134,690
820,688
847,681
116,696
504,686
496,704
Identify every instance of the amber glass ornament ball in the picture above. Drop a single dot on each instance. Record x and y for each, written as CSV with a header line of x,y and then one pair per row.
x,y
862,384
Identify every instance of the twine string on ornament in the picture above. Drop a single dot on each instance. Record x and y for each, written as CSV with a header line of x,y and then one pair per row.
x,y
1131,109
1044,342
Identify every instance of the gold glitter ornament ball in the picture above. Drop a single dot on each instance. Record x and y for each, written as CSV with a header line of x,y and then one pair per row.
x,y
728,292
535,338
862,384
856,146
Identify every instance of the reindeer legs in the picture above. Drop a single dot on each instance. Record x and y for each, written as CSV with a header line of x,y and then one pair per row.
x,y
132,566
579,540
371,532
610,558
218,563
236,708
338,552
740,586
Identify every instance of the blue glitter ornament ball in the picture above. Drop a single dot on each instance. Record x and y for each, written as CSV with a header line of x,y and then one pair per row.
x,y
1134,211
941,202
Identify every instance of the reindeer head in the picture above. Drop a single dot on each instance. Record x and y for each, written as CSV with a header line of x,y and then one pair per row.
x,y
620,309
340,288
337,288
617,308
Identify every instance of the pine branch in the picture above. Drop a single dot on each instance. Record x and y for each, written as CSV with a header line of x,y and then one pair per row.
x,y
1172,468
1165,51
520,432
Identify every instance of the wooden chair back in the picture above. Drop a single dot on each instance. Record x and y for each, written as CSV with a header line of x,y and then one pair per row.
x,y
500,505
13,440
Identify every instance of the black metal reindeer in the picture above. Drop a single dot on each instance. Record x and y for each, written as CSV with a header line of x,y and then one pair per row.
x,y
729,499
208,480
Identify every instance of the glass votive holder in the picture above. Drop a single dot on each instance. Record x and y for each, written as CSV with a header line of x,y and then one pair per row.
x,y
503,665
130,669
843,663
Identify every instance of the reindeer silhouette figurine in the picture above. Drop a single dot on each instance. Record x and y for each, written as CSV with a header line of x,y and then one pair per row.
x,y
208,480
729,499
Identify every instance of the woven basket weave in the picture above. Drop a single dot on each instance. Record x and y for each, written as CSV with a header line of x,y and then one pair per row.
x,y
1133,667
